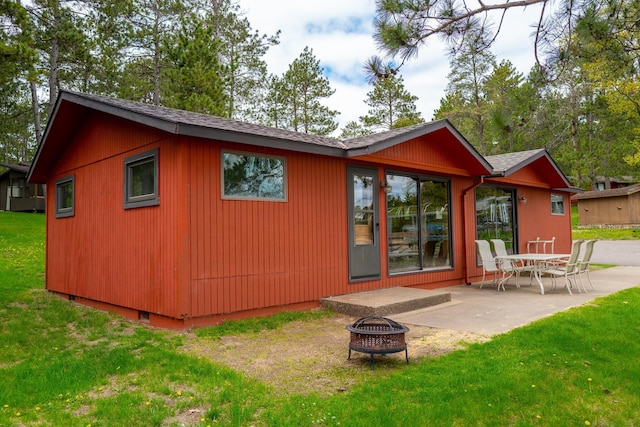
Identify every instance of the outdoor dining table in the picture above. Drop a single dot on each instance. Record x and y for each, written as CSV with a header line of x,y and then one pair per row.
x,y
535,261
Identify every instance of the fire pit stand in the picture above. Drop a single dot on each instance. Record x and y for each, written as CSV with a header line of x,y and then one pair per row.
x,y
377,335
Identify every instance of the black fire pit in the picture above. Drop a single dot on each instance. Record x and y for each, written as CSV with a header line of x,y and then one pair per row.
x,y
377,335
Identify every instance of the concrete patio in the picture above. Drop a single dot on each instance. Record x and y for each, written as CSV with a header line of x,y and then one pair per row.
x,y
484,311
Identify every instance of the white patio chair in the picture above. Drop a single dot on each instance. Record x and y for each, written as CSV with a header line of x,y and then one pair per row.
x,y
583,263
492,265
489,264
506,265
566,269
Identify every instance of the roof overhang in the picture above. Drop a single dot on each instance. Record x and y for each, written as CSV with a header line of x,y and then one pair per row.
x,y
71,108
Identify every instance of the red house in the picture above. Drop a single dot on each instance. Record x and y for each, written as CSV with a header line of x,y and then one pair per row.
x,y
184,219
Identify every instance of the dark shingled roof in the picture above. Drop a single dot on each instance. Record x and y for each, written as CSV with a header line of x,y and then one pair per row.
x,y
507,163
21,167
194,124
369,140
614,192
73,106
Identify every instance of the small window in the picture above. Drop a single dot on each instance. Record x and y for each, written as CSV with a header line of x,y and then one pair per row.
x,y
18,188
65,194
253,176
141,180
557,204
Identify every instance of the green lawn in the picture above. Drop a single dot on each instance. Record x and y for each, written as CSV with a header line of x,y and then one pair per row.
x,y
66,365
586,233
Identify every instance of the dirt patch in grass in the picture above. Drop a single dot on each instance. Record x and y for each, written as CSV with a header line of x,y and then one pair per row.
x,y
310,356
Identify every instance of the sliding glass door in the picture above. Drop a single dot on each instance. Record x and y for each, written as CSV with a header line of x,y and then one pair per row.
x,y
418,229
495,216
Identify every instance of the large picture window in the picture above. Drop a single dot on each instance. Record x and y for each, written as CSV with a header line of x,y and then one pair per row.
x,y
418,227
253,176
141,180
65,197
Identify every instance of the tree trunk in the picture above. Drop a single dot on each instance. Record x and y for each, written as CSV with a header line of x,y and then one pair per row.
x,y
156,58
53,76
36,110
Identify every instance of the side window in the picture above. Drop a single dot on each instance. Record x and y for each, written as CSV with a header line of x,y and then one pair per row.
x,y
141,180
557,204
253,176
65,197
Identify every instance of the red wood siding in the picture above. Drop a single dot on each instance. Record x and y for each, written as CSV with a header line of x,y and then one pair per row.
x,y
103,252
252,254
197,255
439,152
535,220
534,217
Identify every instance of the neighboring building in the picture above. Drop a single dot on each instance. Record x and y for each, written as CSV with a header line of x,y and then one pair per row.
x,y
16,194
611,183
619,206
185,219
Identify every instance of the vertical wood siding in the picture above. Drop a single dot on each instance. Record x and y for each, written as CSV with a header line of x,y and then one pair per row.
x,y
535,220
198,255
439,152
248,254
103,252
255,254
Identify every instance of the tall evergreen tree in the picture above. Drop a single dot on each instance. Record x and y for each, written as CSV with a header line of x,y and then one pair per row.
x,y
469,72
391,105
61,44
302,87
241,51
16,68
507,107
195,81
272,112
155,24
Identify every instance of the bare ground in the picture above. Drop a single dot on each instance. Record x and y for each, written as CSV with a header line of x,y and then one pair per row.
x,y
310,356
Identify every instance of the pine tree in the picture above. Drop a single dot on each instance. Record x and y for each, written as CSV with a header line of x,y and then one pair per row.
x,y
302,88
469,71
354,129
195,80
241,51
391,106
16,67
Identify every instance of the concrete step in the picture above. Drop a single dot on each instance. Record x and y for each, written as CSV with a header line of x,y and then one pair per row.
x,y
384,302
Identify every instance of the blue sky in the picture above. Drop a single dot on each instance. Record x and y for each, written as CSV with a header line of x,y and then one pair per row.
x,y
340,34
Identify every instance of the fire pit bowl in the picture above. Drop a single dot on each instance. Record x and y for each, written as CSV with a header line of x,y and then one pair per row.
x,y
377,335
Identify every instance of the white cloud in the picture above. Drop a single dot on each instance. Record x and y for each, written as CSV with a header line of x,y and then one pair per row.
x,y
340,34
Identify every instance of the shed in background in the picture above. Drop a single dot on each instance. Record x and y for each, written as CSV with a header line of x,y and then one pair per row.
x,y
618,206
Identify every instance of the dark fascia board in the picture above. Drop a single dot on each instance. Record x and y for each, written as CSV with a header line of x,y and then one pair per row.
x,y
188,129
569,189
418,132
36,158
